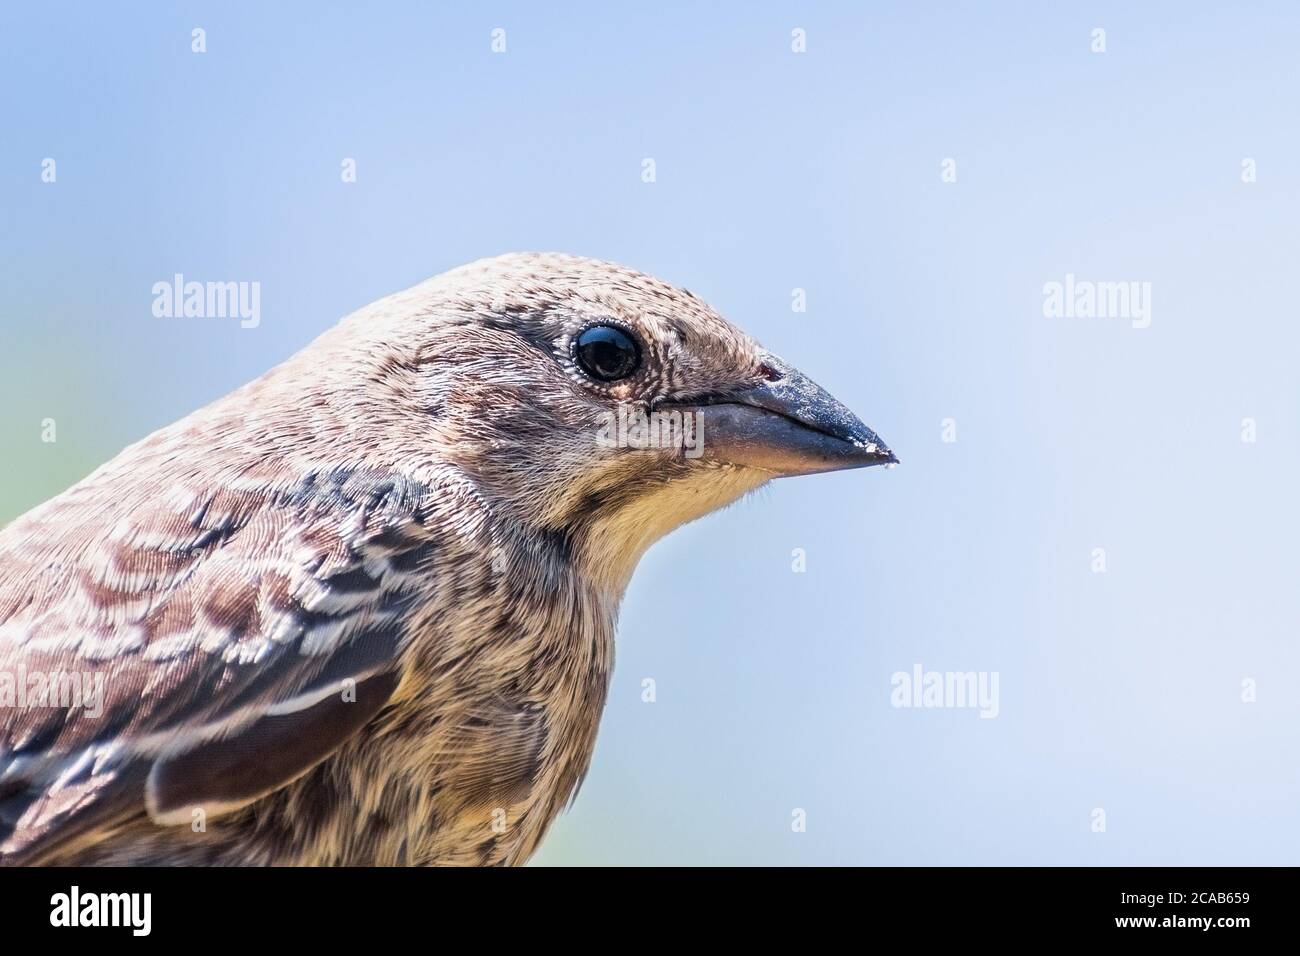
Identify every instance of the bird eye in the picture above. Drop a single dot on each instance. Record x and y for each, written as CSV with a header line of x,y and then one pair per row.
x,y
607,353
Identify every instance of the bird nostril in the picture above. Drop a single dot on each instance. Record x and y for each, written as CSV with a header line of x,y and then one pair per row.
x,y
769,373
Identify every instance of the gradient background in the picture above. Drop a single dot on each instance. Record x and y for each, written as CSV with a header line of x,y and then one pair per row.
x,y
775,170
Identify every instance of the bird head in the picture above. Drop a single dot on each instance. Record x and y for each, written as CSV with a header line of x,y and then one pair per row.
x,y
591,400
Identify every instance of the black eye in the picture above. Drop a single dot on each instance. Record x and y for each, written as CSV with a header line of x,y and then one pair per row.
x,y
607,353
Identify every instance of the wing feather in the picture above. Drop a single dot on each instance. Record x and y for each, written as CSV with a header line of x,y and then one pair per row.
x,y
214,638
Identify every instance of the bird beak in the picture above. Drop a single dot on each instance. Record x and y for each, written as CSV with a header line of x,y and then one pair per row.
x,y
788,426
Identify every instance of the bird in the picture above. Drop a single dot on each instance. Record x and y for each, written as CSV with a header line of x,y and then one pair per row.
x,y
361,610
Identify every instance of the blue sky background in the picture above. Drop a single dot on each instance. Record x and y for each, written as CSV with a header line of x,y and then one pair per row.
x,y
775,170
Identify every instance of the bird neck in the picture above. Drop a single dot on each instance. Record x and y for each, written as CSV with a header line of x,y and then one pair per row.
x,y
609,540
